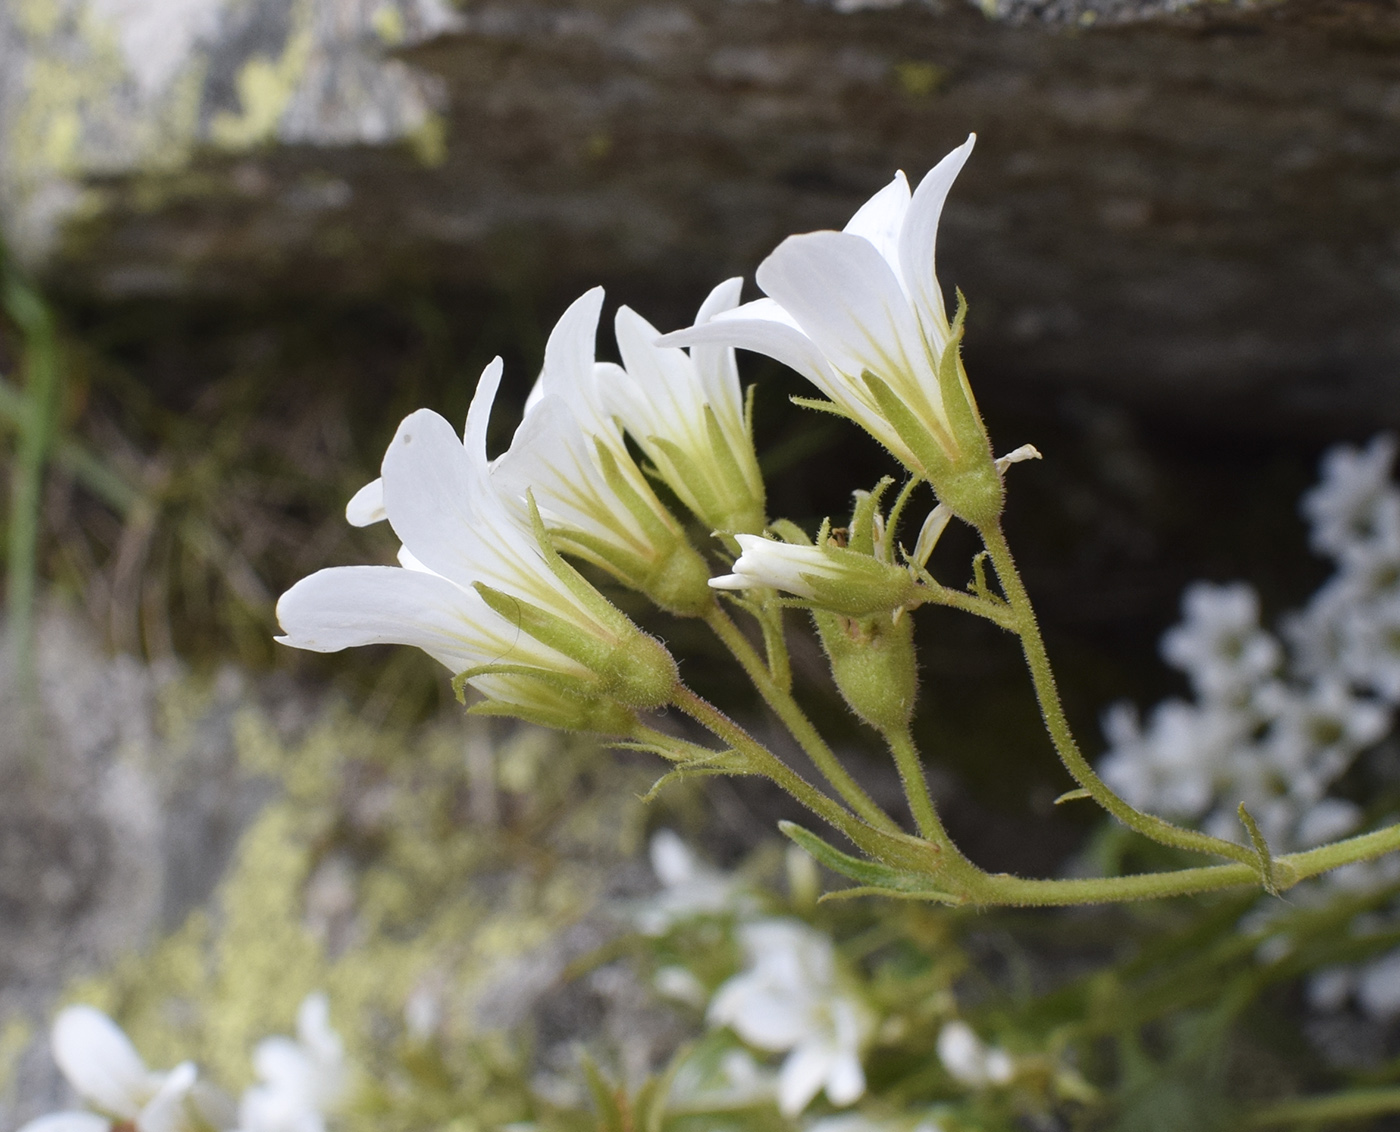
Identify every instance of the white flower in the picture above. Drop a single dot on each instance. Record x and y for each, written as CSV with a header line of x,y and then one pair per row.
x,y
570,456
1349,506
1220,644
689,887
860,1122
866,301
792,998
970,1060
104,1068
1172,767
1369,646
301,1080
467,555
686,412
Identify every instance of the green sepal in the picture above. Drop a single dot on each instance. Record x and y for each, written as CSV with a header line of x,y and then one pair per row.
x,y
821,406
862,539
890,894
608,615
931,451
610,1105
874,876
634,669
743,511
695,481
562,702
582,645
559,681
865,587
621,564
790,532
658,524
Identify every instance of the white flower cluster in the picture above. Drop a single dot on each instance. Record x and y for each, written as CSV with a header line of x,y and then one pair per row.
x,y
300,1081
795,996
1270,726
481,585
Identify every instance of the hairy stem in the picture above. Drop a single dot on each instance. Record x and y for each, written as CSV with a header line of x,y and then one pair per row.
x,y
767,763
1051,710
795,720
911,774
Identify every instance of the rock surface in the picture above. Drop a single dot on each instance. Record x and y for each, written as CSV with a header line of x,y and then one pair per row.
x,y
1189,208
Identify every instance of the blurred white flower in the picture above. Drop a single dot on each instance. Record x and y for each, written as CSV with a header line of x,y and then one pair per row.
x,y
1173,766
792,997
1347,508
689,887
969,1060
1219,644
105,1070
860,1122
301,1080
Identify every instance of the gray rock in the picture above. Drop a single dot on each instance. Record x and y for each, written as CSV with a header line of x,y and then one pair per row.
x,y
1189,208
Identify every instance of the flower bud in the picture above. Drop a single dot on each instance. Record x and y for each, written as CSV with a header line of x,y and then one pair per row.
x,y
830,577
873,663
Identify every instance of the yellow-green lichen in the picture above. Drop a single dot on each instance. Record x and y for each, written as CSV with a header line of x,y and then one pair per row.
x,y
439,905
265,87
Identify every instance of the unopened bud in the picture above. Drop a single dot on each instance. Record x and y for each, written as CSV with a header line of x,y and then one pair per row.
x,y
873,663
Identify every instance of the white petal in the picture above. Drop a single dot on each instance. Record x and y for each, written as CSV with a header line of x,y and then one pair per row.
x,y
715,365
431,486
1017,456
479,411
664,377
551,458
100,1062
847,300
845,1080
881,218
671,860
801,1078
569,354
756,326
916,243
167,1111
348,606
366,506
285,1065
68,1122
929,534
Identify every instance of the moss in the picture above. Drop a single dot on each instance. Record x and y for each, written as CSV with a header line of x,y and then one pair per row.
x,y
438,903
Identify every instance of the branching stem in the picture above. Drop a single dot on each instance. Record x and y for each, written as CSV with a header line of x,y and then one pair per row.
x,y
795,720
1052,711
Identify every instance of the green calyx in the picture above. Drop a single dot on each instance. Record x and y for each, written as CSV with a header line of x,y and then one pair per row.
x,y
857,585
640,673
632,668
959,463
873,663
547,699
